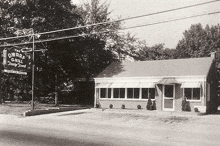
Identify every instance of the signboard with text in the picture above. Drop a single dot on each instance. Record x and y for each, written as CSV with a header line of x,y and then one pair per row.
x,y
16,61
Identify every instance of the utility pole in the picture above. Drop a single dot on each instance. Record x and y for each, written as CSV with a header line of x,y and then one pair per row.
x,y
56,90
32,101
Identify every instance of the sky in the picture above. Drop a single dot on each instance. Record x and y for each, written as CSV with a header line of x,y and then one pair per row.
x,y
167,33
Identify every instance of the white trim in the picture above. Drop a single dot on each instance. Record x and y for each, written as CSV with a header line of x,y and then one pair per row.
x,y
123,99
153,77
140,93
191,85
96,98
149,79
131,85
102,85
169,109
117,85
146,85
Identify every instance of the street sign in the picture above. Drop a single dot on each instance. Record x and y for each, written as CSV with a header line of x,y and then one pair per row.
x,y
16,61
15,72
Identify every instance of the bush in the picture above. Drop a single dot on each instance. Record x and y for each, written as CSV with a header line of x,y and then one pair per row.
x,y
149,104
154,105
138,106
185,105
196,110
123,106
110,106
97,105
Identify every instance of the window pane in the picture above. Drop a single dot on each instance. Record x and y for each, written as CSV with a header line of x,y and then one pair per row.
x,y
116,93
130,93
168,90
152,93
144,93
196,93
188,93
168,103
136,93
122,92
109,92
103,92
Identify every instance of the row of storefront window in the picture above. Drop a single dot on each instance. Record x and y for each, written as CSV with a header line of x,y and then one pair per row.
x,y
128,93
144,93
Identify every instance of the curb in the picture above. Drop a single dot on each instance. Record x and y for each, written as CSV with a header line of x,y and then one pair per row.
x,y
48,111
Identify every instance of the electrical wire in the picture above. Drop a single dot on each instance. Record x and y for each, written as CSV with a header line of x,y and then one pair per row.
x,y
119,20
132,27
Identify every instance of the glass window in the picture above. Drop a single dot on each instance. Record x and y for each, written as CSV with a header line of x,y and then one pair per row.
x,y
122,92
116,93
103,93
144,93
148,92
188,93
130,93
192,93
196,93
109,92
168,90
152,93
136,93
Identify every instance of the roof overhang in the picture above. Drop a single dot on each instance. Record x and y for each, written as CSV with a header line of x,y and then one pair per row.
x,y
191,85
169,80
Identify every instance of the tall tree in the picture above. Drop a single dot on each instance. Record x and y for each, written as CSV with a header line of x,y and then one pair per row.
x,y
69,58
40,15
199,41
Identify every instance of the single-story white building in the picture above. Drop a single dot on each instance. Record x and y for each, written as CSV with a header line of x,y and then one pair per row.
x,y
167,82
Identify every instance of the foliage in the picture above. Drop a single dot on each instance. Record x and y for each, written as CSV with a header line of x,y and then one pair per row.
x,y
156,52
154,107
149,104
185,105
199,41
111,106
65,60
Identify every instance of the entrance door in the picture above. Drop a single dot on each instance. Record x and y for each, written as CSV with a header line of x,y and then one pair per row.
x,y
168,97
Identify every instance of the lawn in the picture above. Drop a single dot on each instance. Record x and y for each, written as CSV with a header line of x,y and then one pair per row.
x,y
15,108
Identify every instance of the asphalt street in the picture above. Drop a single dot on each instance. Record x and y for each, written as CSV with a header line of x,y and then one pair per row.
x,y
94,128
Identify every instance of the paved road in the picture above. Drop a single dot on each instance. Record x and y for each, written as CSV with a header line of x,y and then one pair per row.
x,y
86,127
62,129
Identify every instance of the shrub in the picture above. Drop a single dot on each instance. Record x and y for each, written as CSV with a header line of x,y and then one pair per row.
x,y
110,106
138,106
123,106
97,105
154,105
185,105
196,109
149,104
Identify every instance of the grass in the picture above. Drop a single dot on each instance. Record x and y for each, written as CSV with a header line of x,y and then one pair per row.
x,y
14,108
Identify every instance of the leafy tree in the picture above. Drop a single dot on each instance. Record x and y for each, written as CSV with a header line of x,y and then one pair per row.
x,y
156,52
199,41
41,16
66,59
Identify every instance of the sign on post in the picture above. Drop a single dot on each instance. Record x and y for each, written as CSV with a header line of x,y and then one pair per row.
x,y
16,61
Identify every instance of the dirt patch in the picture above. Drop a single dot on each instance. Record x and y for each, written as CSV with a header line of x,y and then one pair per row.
x,y
173,119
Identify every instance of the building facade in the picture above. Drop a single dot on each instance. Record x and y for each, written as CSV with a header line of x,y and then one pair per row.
x,y
165,82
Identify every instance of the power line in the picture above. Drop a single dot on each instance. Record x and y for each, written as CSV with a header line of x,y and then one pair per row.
x,y
74,36
119,20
